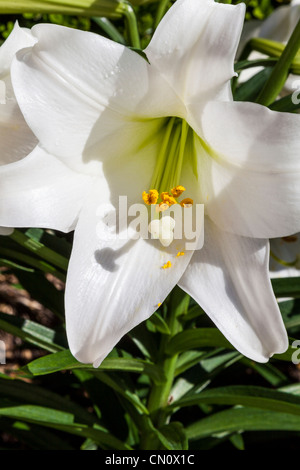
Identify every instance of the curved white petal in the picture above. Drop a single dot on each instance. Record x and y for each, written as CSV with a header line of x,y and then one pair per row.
x,y
194,47
77,89
16,139
249,177
40,191
229,279
113,283
18,39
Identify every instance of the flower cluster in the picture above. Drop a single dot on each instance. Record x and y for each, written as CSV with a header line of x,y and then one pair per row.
x,y
87,120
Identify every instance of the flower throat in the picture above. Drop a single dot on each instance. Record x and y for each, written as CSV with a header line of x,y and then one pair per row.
x,y
177,146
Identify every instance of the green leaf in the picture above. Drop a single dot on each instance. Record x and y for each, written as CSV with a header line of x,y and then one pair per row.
x,y
285,104
286,287
249,90
196,338
159,324
247,64
20,392
252,396
198,378
109,8
32,332
238,441
34,437
173,436
10,264
121,388
65,361
61,421
290,311
270,373
40,250
209,337
245,419
144,341
37,414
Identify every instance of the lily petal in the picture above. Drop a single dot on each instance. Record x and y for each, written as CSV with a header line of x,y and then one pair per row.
x,y
251,173
113,284
18,39
229,279
90,89
40,191
16,139
194,47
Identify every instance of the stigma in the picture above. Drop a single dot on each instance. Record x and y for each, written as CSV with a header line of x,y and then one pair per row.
x,y
162,229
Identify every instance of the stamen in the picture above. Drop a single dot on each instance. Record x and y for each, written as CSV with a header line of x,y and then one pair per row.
x,y
187,202
151,197
177,191
168,199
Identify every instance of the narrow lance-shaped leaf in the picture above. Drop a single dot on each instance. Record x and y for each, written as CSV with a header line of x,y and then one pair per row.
x,y
109,8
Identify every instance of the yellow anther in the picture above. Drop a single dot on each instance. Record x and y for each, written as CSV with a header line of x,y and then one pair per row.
x,y
187,202
177,191
167,265
151,197
168,199
159,304
180,253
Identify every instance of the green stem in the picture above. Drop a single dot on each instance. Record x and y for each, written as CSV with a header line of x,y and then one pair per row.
x,y
110,29
132,25
160,393
280,72
162,7
40,250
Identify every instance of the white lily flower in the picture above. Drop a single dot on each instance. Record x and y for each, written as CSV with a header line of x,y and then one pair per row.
x,y
109,123
279,27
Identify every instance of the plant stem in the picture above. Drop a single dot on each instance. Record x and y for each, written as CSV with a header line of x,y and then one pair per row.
x,y
159,396
132,25
162,7
110,29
